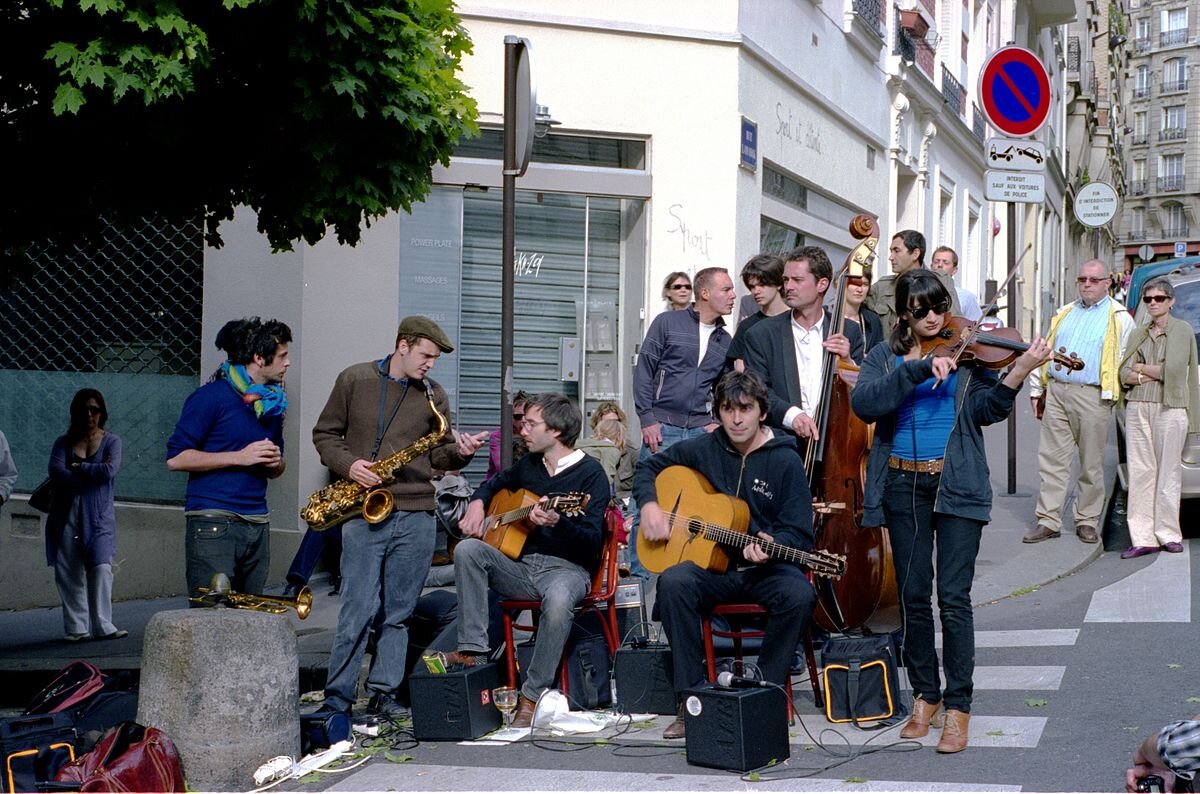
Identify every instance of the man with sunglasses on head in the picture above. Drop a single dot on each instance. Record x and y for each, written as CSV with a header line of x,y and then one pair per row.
x,y
681,358
1075,406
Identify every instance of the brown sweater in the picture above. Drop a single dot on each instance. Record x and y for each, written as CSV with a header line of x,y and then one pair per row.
x,y
346,430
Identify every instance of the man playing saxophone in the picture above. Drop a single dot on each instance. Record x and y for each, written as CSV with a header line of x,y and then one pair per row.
x,y
376,409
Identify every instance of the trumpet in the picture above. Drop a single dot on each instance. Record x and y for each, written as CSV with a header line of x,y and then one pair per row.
x,y
219,593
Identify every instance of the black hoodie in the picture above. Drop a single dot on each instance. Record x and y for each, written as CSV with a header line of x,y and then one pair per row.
x,y
772,481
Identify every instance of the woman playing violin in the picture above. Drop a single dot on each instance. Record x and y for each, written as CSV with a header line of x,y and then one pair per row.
x,y
929,412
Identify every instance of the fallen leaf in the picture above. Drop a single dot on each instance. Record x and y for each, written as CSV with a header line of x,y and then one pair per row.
x,y
1036,703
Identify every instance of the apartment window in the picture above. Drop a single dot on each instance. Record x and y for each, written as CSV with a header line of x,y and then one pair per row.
x,y
1170,172
1137,184
1173,116
1139,169
1141,82
1174,222
1174,75
1137,224
1174,25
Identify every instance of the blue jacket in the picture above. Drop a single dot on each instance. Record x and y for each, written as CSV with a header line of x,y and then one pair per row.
x,y
668,386
980,399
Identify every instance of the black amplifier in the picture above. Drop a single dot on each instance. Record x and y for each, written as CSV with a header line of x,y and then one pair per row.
x,y
643,677
454,705
736,729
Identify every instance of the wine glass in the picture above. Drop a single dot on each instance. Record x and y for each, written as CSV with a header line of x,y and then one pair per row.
x,y
505,698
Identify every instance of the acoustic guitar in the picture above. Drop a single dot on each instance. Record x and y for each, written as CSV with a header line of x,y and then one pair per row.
x,y
705,523
507,527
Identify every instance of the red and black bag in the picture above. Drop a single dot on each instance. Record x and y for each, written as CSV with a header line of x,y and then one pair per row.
x,y
74,684
130,757
33,749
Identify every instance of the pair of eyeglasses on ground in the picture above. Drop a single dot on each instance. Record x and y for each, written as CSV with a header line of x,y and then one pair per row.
x,y
923,312
1155,299
1091,279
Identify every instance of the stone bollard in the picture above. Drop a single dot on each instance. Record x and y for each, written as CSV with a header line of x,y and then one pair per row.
x,y
223,684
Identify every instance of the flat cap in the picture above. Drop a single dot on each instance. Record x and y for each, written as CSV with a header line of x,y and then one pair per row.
x,y
416,325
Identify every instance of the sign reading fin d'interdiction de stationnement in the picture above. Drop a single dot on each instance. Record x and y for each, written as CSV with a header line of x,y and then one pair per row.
x,y
1095,204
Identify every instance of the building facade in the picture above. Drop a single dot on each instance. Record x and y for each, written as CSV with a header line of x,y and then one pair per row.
x,y
1159,218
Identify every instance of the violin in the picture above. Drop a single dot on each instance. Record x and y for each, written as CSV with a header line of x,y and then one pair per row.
x,y
963,340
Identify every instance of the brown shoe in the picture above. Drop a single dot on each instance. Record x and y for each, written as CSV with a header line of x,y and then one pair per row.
x,y
1042,532
524,716
1087,534
923,715
954,733
465,658
677,729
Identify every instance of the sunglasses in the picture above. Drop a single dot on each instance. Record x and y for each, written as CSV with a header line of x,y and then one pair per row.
x,y
1091,280
93,410
923,312
681,286
1147,299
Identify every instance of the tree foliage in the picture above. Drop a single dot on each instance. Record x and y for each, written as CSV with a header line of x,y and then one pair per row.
x,y
315,113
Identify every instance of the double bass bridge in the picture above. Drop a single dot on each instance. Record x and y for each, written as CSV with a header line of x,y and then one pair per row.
x,y
826,508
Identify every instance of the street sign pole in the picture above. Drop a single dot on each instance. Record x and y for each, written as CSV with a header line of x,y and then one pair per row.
x,y
520,107
1012,323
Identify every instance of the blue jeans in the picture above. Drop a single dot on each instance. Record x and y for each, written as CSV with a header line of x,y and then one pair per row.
x,y
386,564
558,583
218,544
325,546
918,533
670,435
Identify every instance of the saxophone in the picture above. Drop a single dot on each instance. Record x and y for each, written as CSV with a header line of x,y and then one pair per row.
x,y
339,501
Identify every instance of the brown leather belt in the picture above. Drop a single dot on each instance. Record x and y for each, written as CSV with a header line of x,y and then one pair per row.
x,y
921,466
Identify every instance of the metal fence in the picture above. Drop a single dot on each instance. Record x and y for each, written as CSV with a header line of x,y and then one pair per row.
x,y
121,315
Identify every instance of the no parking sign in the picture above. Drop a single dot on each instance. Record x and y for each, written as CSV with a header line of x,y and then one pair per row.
x,y
1015,91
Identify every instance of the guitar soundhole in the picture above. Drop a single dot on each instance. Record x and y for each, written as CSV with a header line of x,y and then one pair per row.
x,y
695,528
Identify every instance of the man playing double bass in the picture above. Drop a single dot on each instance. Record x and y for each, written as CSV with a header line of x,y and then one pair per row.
x,y
745,459
788,350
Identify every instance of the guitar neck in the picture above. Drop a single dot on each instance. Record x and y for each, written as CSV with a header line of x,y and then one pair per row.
x,y
522,513
728,537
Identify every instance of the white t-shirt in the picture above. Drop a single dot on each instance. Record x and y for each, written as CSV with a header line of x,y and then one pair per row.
x,y
706,331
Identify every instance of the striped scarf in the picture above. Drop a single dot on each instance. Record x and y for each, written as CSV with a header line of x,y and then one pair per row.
x,y
269,400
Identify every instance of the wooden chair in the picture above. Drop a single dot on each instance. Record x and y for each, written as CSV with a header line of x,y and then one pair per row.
x,y
602,600
741,633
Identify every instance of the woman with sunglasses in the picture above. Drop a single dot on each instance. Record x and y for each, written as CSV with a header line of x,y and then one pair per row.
x,y
927,481
81,528
1162,407
677,290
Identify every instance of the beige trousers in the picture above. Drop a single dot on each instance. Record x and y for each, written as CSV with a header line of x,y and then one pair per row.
x,y
1075,422
1154,436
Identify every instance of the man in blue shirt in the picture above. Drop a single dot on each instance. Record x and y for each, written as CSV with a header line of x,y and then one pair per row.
x,y
229,439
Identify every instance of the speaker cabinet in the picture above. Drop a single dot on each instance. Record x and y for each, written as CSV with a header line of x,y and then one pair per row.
x,y
643,678
454,705
735,729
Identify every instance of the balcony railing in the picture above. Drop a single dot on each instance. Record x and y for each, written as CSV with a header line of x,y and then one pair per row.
x,y
1138,234
1181,230
1073,56
871,13
1170,86
1137,187
1141,91
1169,38
903,45
1172,134
953,92
978,125
1141,45
1139,139
1172,182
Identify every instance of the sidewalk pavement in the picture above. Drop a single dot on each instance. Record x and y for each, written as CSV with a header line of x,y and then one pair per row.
x,y
32,645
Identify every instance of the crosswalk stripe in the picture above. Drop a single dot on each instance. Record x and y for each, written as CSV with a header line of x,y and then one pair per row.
x,y
425,777
1019,677
1020,638
1159,593
985,731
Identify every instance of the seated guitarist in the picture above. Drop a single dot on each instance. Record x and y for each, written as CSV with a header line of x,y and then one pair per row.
x,y
746,459
559,557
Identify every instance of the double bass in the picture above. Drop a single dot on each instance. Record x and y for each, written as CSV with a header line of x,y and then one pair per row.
x,y
836,468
